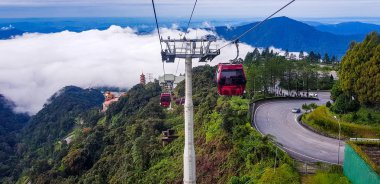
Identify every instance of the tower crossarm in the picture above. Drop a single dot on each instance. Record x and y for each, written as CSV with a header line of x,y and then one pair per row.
x,y
188,48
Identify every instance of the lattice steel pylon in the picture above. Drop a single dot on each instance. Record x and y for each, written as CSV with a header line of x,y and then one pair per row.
x,y
189,49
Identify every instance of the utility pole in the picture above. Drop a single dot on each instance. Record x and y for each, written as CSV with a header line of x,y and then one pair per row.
x,y
339,144
339,139
189,49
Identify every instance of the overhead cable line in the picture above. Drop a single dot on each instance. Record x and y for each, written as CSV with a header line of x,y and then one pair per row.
x,y
158,29
159,36
188,26
191,16
255,26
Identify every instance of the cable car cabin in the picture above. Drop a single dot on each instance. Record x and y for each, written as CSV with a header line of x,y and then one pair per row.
x,y
165,100
231,79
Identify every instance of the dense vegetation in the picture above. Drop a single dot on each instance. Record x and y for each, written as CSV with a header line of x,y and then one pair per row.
x,y
322,119
333,176
10,124
356,95
35,144
123,145
270,74
360,71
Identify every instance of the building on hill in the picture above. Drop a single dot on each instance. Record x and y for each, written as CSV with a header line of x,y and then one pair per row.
x,y
142,79
109,98
170,80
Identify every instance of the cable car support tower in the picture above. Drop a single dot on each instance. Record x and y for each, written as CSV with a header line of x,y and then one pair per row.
x,y
189,50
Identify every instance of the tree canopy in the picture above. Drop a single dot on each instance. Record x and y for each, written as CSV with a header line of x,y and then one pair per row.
x,y
360,71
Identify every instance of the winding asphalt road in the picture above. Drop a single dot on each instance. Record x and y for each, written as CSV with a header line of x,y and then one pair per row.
x,y
275,118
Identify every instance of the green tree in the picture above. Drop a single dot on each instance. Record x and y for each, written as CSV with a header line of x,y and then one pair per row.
x,y
306,107
301,55
360,71
326,59
286,53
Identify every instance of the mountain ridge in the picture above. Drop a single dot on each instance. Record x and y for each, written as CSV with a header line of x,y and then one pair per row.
x,y
349,28
292,35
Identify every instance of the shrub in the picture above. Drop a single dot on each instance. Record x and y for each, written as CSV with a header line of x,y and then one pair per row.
x,y
344,104
282,174
328,104
355,116
369,117
322,120
313,106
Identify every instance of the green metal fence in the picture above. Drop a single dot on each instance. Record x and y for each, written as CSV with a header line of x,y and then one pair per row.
x,y
357,170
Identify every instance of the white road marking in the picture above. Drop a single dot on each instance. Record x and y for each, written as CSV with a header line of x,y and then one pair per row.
x,y
280,146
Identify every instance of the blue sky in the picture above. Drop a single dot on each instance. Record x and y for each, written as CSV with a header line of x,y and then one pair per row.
x,y
181,8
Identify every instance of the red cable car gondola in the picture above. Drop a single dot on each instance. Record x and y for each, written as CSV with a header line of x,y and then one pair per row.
x,y
165,100
231,79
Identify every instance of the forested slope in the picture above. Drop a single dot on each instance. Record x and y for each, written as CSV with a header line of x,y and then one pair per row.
x,y
34,146
10,124
123,145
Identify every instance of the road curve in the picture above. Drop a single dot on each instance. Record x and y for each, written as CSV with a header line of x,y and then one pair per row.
x,y
275,118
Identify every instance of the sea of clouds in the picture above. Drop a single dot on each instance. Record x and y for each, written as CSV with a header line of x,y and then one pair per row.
x,y
35,66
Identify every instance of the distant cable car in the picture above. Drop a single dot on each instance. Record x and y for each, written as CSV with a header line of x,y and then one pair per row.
x,y
231,79
165,100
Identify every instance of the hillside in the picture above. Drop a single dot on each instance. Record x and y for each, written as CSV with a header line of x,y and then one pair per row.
x,y
34,144
286,33
123,145
9,120
10,124
58,116
349,28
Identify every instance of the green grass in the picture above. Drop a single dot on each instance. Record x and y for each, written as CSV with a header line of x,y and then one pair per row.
x,y
283,174
326,178
323,120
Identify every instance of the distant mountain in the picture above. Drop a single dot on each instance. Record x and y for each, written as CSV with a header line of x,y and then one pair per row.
x,y
349,28
313,23
286,33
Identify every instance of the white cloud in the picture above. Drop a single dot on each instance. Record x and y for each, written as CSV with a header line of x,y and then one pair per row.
x,y
207,24
7,28
35,66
